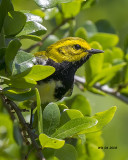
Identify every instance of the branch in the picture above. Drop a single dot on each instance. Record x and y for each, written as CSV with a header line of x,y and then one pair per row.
x,y
105,89
45,37
24,125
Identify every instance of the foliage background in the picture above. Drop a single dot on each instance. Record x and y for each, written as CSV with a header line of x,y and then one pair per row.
x,y
115,11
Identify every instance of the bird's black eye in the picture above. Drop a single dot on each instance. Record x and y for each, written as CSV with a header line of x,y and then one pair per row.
x,y
77,46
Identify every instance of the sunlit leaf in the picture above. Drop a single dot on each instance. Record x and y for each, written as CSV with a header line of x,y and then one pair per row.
x,y
49,142
50,3
74,126
69,114
103,119
37,72
39,112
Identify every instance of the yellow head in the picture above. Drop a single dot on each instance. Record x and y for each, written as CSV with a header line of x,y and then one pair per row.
x,y
69,49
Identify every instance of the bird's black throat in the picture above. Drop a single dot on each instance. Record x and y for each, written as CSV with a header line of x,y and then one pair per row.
x,y
64,72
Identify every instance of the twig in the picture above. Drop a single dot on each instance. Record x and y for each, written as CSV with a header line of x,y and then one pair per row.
x,y
105,89
24,125
45,37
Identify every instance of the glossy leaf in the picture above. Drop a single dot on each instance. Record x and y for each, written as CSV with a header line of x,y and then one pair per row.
x,y
32,17
67,152
37,72
10,54
5,7
105,39
39,112
50,3
103,119
48,142
16,21
22,62
51,118
74,126
32,28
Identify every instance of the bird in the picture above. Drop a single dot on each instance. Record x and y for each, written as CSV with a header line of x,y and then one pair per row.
x,y
66,56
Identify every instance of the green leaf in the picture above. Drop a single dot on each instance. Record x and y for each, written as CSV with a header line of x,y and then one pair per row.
x,y
69,114
106,74
94,152
39,112
2,58
10,54
38,12
17,134
51,118
50,3
21,83
81,32
22,62
19,95
16,21
103,119
32,28
32,37
71,9
37,72
67,152
80,103
110,56
105,26
91,67
74,126
32,17
5,7
105,39
48,142
6,128
90,28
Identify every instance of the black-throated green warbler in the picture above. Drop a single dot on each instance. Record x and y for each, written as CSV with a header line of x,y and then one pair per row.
x,y
66,56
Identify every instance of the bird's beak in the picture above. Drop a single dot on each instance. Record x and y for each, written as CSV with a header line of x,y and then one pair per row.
x,y
94,51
